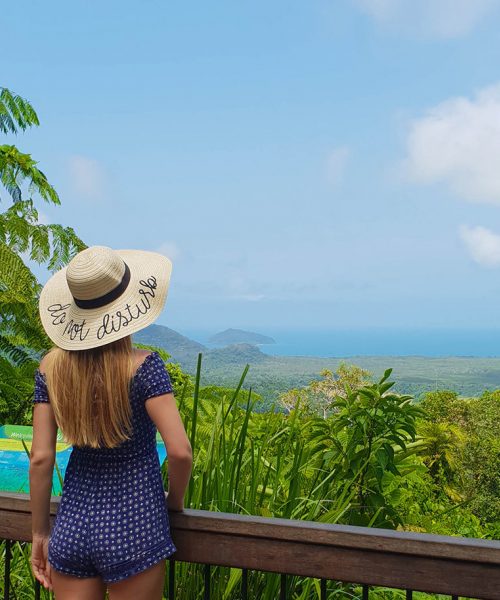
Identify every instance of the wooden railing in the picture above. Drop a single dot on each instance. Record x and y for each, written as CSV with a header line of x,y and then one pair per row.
x,y
369,557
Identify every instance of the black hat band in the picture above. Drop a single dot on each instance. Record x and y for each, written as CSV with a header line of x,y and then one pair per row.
x,y
110,296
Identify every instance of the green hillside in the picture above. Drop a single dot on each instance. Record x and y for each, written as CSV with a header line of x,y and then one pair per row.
x,y
181,348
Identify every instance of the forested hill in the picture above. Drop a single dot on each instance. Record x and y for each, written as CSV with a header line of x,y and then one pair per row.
x,y
270,375
235,354
182,349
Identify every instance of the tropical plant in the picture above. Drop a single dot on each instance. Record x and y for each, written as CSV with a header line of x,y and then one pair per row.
x,y
319,396
23,181
237,468
481,462
462,449
22,338
444,406
16,114
370,442
441,451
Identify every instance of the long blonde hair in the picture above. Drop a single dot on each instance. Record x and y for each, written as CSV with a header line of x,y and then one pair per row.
x,y
89,393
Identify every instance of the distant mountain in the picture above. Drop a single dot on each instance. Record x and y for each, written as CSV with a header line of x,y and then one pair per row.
x,y
185,351
235,354
238,336
181,348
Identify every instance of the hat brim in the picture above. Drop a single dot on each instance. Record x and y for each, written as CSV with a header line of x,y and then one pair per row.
x,y
73,328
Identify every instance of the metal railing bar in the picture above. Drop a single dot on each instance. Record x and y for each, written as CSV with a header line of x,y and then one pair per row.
x,y
365,592
171,578
409,594
323,589
37,589
206,594
244,584
6,578
283,587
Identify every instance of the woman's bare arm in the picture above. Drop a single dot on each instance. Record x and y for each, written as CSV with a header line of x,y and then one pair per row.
x,y
42,458
164,414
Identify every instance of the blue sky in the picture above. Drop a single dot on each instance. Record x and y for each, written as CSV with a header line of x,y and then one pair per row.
x,y
319,164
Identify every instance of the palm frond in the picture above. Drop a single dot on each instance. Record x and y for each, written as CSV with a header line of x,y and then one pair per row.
x,y
18,168
15,112
20,230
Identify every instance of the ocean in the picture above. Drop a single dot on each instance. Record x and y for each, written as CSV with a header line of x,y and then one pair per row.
x,y
373,342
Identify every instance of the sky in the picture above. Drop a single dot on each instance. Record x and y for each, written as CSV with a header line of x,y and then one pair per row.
x,y
306,165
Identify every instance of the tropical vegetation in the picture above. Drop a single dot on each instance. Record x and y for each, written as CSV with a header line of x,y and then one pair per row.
x,y
22,239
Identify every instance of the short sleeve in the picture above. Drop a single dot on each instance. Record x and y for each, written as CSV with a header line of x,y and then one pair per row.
x,y
41,393
154,377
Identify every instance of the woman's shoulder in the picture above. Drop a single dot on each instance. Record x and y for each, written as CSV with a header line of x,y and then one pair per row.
x,y
42,366
152,375
139,355
143,359
44,363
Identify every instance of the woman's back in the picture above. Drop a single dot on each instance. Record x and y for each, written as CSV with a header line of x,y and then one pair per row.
x,y
150,379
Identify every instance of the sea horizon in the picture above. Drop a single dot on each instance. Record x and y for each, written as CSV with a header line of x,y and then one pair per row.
x,y
430,342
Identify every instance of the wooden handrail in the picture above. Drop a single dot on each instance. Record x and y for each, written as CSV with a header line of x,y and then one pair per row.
x,y
397,559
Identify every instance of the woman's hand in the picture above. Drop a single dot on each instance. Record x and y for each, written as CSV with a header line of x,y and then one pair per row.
x,y
39,560
172,505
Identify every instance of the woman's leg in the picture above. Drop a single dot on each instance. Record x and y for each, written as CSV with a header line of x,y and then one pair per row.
x,y
147,585
67,587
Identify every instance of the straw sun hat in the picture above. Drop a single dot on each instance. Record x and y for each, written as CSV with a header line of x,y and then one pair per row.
x,y
104,295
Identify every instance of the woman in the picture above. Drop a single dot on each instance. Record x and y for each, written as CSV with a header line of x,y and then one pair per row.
x,y
111,529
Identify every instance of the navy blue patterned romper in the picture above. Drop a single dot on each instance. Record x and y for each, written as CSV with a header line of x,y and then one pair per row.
x,y
112,520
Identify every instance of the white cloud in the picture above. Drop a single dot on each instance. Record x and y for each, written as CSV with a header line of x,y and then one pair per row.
x,y
248,297
336,164
87,177
458,142
169,249
435,18
482,244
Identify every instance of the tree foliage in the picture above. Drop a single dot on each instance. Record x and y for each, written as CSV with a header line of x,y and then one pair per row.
x,y
22,338
442,451
23,181
15,112
320,395
463,449
369,440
